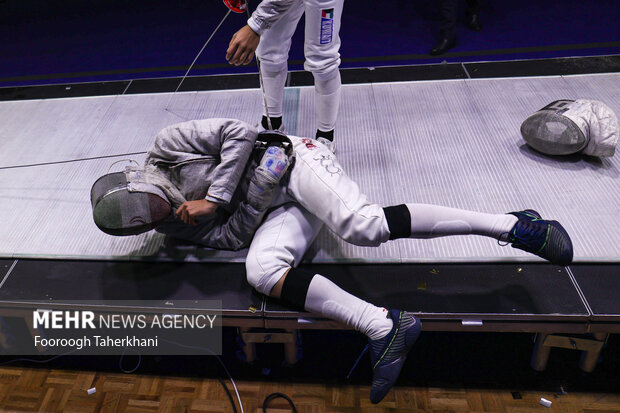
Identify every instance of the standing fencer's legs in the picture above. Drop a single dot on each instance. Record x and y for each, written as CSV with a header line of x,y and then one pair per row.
x,y
321,49
327,89
278,247
272,53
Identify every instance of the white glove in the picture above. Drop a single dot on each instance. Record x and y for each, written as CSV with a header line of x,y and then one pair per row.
x,y
275,161
267,175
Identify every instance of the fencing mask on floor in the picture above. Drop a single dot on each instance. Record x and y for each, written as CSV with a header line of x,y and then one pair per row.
x,y
124,204
565,127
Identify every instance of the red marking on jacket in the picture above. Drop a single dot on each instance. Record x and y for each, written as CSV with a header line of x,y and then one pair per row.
x,y
308,142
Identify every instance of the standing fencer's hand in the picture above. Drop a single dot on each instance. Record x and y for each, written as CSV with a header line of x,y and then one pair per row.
x,y
242,46
190,210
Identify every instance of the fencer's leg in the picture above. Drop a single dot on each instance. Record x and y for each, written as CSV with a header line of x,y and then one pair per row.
x,y
273,84
278,246
390,334
272,53
525,230
319,183
327,88
431,221
321,49
305,290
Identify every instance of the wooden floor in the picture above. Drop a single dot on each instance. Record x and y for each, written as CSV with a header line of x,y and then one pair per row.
x,y
43,390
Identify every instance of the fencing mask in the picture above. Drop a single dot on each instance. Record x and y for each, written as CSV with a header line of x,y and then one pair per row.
x,y
566,127
123,204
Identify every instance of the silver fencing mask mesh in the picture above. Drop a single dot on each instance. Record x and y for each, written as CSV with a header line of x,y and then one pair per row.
x,y
549,131
123,208
565,127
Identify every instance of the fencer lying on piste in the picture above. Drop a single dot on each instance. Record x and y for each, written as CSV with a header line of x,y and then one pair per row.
x,y
221,184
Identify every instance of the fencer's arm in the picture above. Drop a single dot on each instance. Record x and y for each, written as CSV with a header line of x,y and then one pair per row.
x,y
244,42
239,229
267,14
190,210
236,232
229,140
242,46
237,141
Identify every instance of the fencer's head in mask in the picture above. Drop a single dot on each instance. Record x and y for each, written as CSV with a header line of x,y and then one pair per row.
x,y
567,127
124,204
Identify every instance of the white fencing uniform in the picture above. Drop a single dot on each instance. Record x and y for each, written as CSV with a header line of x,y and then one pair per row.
x,y
318,192
276,21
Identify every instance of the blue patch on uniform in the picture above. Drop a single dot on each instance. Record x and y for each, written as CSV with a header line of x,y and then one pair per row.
x,y
327,26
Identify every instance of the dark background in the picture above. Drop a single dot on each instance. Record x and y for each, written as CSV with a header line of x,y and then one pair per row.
x,y
45,42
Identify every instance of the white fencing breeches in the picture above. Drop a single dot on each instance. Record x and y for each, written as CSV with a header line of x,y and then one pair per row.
x,y
321,41
318,192
321,50
279,244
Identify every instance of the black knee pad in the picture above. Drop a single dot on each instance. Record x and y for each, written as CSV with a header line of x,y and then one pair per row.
x,y
399,221
295,288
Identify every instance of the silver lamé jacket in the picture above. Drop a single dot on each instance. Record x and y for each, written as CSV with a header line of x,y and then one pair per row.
x,y
212,159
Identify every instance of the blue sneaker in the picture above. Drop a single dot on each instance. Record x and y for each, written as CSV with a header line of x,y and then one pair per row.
x,y
388,354
547,239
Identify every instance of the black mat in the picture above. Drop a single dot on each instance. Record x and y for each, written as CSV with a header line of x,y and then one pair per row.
x,y
100,281
600,285
533,291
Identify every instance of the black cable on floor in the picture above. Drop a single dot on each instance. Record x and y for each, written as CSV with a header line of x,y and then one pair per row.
x,y
275,396
357,361
92,158
37,361
120,361
232,402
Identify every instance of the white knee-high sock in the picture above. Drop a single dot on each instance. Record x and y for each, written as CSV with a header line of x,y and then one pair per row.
x,y
273,82
430,221
327,299
327,89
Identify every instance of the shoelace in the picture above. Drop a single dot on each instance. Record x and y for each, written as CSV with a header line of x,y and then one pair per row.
x,y
502,235
526,234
